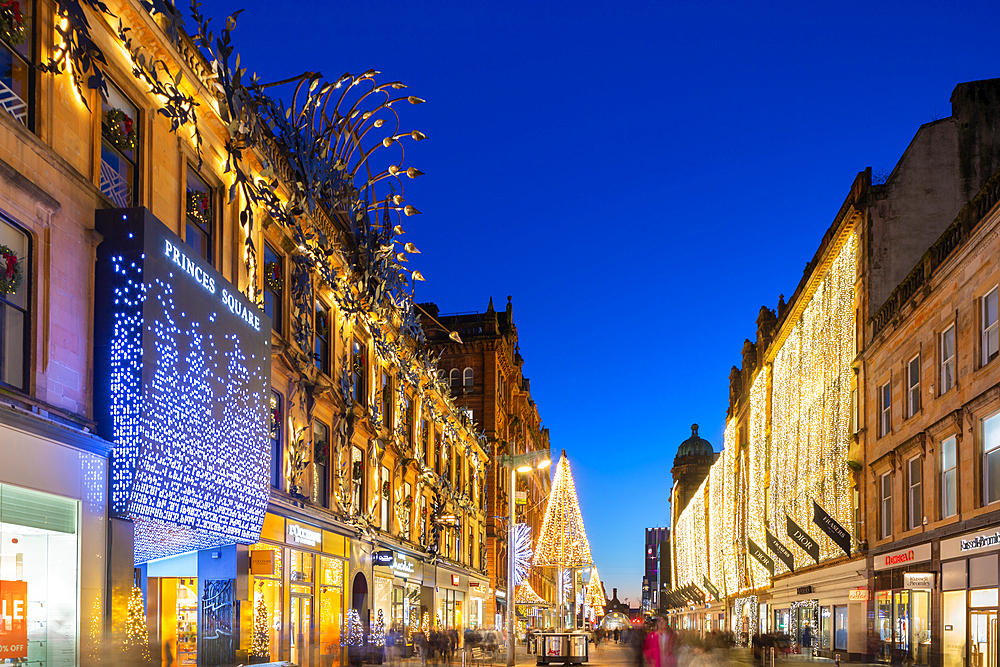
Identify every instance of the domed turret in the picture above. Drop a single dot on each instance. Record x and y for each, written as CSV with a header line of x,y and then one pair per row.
x,y
695,445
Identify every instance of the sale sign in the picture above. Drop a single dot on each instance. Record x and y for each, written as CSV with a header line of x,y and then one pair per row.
x,y
13,619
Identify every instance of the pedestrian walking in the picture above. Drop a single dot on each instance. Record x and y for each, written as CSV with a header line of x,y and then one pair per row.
x,y
658,649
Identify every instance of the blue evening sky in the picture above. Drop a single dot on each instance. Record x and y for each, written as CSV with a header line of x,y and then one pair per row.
x,y
641,177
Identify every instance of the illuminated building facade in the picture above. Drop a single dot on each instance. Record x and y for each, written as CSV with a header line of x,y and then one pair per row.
x,y
227,414
789,515
485,373
657,567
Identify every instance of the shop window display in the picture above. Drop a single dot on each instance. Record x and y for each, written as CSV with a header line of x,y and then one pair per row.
x,y
953,641
331,610
38,577
267,608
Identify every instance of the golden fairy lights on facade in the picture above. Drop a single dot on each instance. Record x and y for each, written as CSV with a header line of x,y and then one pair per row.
x,y
563,540
753,487
811,407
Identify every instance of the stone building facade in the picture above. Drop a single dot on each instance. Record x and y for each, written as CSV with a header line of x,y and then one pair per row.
x,y
486,378
358,487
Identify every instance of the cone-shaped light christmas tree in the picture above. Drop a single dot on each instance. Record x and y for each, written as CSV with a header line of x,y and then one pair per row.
x,y
563,540
595,596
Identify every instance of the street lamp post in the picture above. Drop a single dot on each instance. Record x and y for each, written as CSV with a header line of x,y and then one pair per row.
x,y
517,463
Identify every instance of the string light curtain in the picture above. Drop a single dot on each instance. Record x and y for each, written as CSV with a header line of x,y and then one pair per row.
x,y
563,540
756,462
691,540
810,410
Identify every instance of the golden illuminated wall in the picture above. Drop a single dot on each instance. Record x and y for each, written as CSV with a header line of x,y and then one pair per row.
x,y
810,410
751,489
755,461
691,541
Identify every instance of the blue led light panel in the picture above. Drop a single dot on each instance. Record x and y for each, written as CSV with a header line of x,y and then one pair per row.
x,y
182,389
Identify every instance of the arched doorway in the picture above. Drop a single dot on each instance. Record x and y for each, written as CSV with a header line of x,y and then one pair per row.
x,y
359,597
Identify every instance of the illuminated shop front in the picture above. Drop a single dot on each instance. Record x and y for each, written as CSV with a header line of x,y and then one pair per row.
x,y
182,385
53,543
903,585
969,599
398,577
298,573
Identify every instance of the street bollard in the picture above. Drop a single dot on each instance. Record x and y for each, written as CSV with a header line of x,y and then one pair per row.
x,y
772,656
463,657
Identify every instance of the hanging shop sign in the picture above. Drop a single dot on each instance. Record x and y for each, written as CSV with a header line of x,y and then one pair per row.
x,y
13,619
383,558
182,389
893,559
761,556
918,580
454,580
783,553
859,594
802,538
710,587
832,528
522,498
262,562
296,533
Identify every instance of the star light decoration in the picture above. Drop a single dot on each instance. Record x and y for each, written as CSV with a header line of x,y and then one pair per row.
x,y
807,457
522,552
563,540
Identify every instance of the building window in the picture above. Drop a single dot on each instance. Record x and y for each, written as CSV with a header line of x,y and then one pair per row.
x,y
321,462
913,386
15,338
467,378
387,400
886,505
990,339
407,519
949,477
991,457
277,455
915,500
472,546
423,520
119,149
274,273
453,378
854,410
198,232
16,71
885,409
359,369
948,359
408,423
385,491
358,478
321,342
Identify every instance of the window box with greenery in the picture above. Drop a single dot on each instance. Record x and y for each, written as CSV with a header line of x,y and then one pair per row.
x,y
119,148
15,250
16,71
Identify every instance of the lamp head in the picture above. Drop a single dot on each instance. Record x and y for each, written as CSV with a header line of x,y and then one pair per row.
x,y
542,465
524,468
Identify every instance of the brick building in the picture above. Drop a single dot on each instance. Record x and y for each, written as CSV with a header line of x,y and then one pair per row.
x,y
486,378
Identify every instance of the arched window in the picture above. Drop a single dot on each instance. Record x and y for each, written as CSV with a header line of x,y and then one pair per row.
x,y
454,377
467,377
15,350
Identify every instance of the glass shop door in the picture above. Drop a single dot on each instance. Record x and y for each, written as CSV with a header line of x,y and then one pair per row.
x,y
983,638
300,630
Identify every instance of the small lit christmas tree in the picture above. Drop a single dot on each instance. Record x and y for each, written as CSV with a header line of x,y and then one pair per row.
x,y
378,632
427,622
413,627
355,633
136,634
260,647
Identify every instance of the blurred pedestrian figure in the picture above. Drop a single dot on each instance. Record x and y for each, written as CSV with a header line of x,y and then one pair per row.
x,y
617,635
807,640
658,649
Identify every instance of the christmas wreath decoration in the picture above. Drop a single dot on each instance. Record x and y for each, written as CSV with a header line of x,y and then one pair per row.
x,y
322,326
272,276
11,23
199,207
357,470
11,270
119,129
385,490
